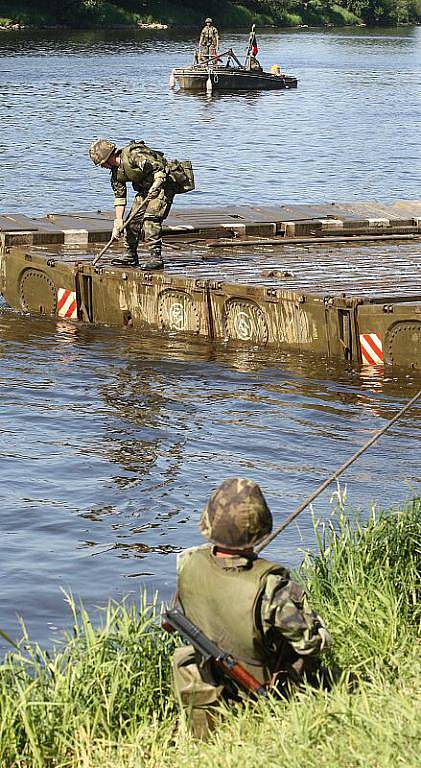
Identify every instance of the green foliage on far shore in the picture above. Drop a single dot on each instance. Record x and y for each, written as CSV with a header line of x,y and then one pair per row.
x,y
103,698
190,13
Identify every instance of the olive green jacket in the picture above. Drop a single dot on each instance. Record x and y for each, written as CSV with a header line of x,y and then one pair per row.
x,y
209,37
141,166
249,607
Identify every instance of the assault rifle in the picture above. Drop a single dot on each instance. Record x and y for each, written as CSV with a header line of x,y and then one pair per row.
x,y
174,619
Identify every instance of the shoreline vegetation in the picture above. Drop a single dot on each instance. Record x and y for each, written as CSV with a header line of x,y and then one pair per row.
x,y
102,698
163,14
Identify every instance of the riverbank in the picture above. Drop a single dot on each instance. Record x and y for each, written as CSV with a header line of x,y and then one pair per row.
x,y
103,698
161,15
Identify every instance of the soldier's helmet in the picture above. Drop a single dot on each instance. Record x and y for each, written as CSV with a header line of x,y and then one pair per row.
x,y
236,515
208,20
101,150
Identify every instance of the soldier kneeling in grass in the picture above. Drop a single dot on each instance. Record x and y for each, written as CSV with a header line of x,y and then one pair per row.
x,y
246,605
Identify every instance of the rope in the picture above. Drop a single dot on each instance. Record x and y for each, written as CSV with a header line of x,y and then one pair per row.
x,y
267,540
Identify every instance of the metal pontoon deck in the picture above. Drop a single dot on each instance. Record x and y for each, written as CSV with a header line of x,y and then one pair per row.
x,y
342,280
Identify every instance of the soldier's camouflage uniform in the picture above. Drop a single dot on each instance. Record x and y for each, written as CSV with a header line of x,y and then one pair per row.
x,y
145,169
247,605
208,42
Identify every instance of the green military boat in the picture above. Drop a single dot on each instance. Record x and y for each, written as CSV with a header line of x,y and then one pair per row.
x,y
225,73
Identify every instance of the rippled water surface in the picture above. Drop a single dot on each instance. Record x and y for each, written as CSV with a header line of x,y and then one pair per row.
x,y
110,444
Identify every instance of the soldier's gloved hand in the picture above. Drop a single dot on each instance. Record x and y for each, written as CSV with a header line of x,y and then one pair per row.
x,y
117,229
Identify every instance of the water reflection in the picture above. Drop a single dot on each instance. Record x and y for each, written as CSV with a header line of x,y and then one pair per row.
x,y
259,148
109,443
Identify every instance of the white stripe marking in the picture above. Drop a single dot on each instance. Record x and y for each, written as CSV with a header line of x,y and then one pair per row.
x,y
69,300
371,357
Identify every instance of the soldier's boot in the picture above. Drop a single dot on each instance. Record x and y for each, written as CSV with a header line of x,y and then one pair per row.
x,y
154,261
131,260
152,230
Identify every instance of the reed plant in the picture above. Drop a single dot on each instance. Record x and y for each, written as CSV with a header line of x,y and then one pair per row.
x,y
366,579
102,698
103,682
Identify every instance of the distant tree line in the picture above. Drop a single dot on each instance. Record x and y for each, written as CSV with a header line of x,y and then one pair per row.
x,y
281,12
369,11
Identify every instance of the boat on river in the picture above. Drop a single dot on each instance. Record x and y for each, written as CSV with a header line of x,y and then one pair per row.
x,y
339,280
225,72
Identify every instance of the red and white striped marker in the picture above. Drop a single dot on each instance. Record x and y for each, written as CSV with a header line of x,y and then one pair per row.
x,y
371,349
66,303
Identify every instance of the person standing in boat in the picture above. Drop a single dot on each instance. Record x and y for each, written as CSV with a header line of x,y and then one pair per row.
x,y
208,41
252,62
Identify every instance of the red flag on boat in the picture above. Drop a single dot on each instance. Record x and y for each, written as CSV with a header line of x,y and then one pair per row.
x,y
253,48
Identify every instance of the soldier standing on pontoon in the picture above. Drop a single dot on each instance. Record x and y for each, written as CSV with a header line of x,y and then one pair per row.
x,y
208,41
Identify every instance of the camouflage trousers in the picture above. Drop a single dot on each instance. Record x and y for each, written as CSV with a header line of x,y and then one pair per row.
x,y
199,694
196,691
206,52
146,226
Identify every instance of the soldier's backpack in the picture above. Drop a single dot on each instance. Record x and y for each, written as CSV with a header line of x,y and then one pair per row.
x,y
181,173
154,154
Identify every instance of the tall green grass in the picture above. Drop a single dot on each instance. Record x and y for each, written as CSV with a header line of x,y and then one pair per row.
x,y
102,699
104,682
366,578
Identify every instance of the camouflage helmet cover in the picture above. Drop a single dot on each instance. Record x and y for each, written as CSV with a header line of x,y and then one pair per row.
x,y
100,150
236,515
208,20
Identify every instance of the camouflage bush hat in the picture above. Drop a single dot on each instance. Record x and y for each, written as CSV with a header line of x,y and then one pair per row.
x,y
236,515
100,150
208,21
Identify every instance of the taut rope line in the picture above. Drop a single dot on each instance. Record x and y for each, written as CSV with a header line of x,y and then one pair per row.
x,y
335,475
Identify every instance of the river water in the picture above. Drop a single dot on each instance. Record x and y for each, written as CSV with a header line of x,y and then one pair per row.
x,y
110,444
